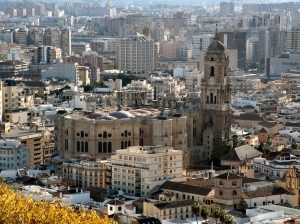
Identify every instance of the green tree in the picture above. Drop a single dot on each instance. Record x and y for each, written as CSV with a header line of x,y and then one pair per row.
x,y
268,147
294,146
217,212
88,88
196,208
204,212
235,141
228,219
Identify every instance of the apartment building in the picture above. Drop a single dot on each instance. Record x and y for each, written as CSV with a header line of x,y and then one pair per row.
x,y
138,169
13,155
87,173
135,54
16,101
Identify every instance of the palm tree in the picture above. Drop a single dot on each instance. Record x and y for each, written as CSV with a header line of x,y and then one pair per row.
x,y
196,208
217,213
228,219
204,212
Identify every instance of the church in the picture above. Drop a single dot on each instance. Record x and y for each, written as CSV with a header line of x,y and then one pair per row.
x,y
208,121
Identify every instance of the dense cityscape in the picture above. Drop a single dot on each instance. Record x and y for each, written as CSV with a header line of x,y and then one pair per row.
x,y
144,112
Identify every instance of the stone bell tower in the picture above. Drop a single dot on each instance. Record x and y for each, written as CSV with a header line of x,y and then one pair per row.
x,y
215,99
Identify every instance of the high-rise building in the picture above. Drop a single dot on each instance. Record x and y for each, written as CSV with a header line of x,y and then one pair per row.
x,y
21,36
236,40
226,8
46,55
66,40
138,169
253,50
136,54
36,36
293,39
52,37
200,44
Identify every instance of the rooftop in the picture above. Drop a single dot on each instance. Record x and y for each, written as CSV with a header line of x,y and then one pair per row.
x,y
174,204
183,187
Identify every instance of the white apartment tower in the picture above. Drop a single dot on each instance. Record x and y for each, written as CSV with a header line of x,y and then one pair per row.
x,y
136,54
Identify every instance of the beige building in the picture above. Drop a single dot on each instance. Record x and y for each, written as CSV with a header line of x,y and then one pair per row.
x,y
16,101
165,210
87,173
136,54
39,143
138,169
228,190
102,133
84,75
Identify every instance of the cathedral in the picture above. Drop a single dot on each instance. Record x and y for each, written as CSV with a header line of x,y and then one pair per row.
x,y
209,120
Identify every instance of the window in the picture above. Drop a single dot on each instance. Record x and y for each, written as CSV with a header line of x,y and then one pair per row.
x,y
220,192
104,134
109,150
104,147
100,147
81,134
82,146
211,97
86,146
234,192
212,71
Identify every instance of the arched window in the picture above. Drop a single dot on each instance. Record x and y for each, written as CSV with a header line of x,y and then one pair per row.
x,y
86,146
212,59
212,71
81,134
122,145
78,146
82,146
207,99
104,134
125,133
125,144
100,147
104,147
211,97
109,147
215,99
129,143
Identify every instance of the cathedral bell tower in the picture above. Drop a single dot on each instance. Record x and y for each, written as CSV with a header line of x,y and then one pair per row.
x,y
215,99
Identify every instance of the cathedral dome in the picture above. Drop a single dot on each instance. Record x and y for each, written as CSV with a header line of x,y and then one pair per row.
x,y
216,47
